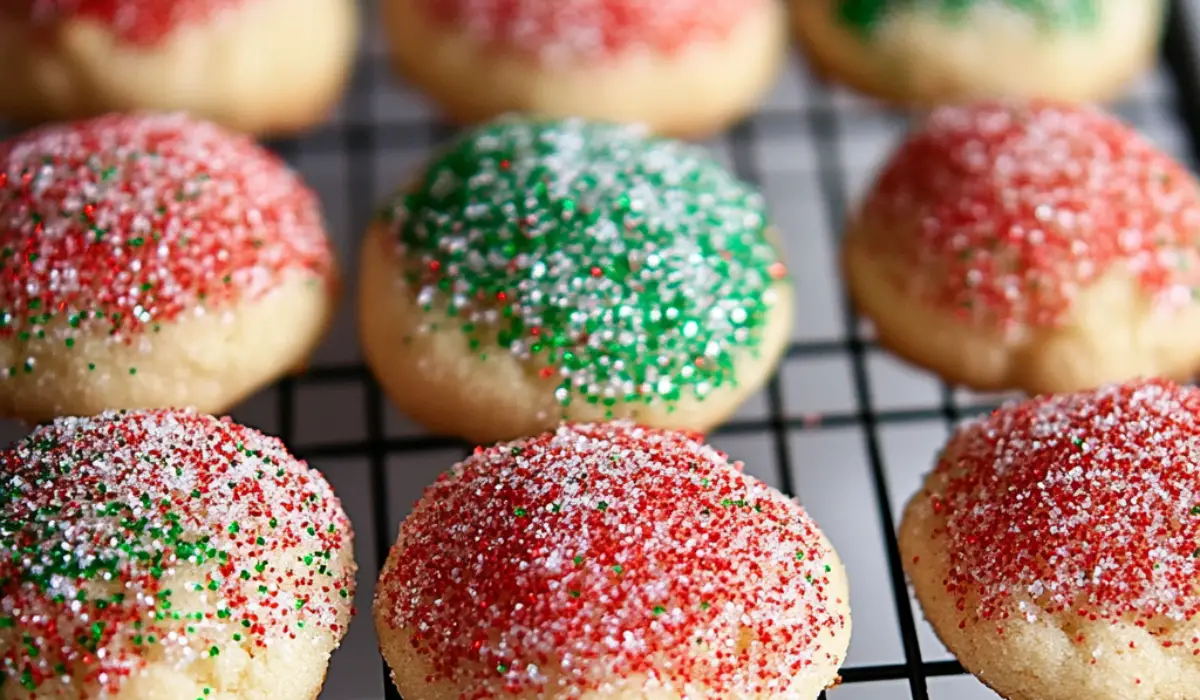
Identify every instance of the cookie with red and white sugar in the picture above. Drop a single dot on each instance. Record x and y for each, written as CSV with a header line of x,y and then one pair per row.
x,y
153,261
930,52
605,561
261,66
1039,246
167,554
682,67
1055,547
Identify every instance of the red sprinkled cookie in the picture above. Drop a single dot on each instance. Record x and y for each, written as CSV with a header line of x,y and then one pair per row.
x,y
1055,546
152,261
1040,246
591,29
259,66
141,22
167,554
684,67
610,558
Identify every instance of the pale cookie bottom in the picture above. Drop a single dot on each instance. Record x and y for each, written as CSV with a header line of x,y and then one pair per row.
x,y
277,67
410,670
700,91
287,668
440,382
1041,659
1112,334
917,58
209,361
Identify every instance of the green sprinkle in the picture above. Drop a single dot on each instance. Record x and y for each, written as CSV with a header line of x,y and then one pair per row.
x,y
556,247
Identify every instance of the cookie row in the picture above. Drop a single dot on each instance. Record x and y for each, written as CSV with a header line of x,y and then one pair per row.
x,y
167,554
546,270
684,67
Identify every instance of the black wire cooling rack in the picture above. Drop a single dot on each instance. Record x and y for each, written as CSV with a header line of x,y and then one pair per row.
x,y
841,425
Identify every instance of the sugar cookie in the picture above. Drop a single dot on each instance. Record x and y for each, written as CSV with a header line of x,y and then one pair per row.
x,y
167,554
262,66
1054,547
541,270
936,51
610,561
684,67
1042,247
152,261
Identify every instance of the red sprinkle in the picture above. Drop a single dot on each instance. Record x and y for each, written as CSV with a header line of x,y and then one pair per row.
x,y
607,550
1007,211
124,222
141,22
160,535
571,30
1085,504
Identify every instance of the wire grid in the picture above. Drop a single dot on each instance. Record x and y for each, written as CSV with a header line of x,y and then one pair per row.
x,y
844,426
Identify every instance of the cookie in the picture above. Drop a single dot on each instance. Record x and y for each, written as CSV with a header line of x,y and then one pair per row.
x,y
167,554
1054,546
684,67
928,52
260,66
610,560
153,261
1042,246
546,270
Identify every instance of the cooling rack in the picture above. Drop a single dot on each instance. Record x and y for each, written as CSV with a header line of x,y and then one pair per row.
x,y
842,425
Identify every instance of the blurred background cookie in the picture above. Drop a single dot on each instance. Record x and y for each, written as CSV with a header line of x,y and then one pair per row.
x,y
1042,246
930,51
260,66
684,67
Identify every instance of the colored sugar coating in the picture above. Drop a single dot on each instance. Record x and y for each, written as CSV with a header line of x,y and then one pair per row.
x,y
108,523
1009,211
142,22
605,551
1084,504
118,224
867,15
574,30
629,268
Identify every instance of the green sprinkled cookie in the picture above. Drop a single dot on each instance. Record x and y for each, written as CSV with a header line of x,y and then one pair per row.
x,y
866,15
167,554
925,53
622,274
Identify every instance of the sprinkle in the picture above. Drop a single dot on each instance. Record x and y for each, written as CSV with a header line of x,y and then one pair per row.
x,y
525,211
1007,212
141,22
1034,524
866,16
199,193
488,589
574,31
88,574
